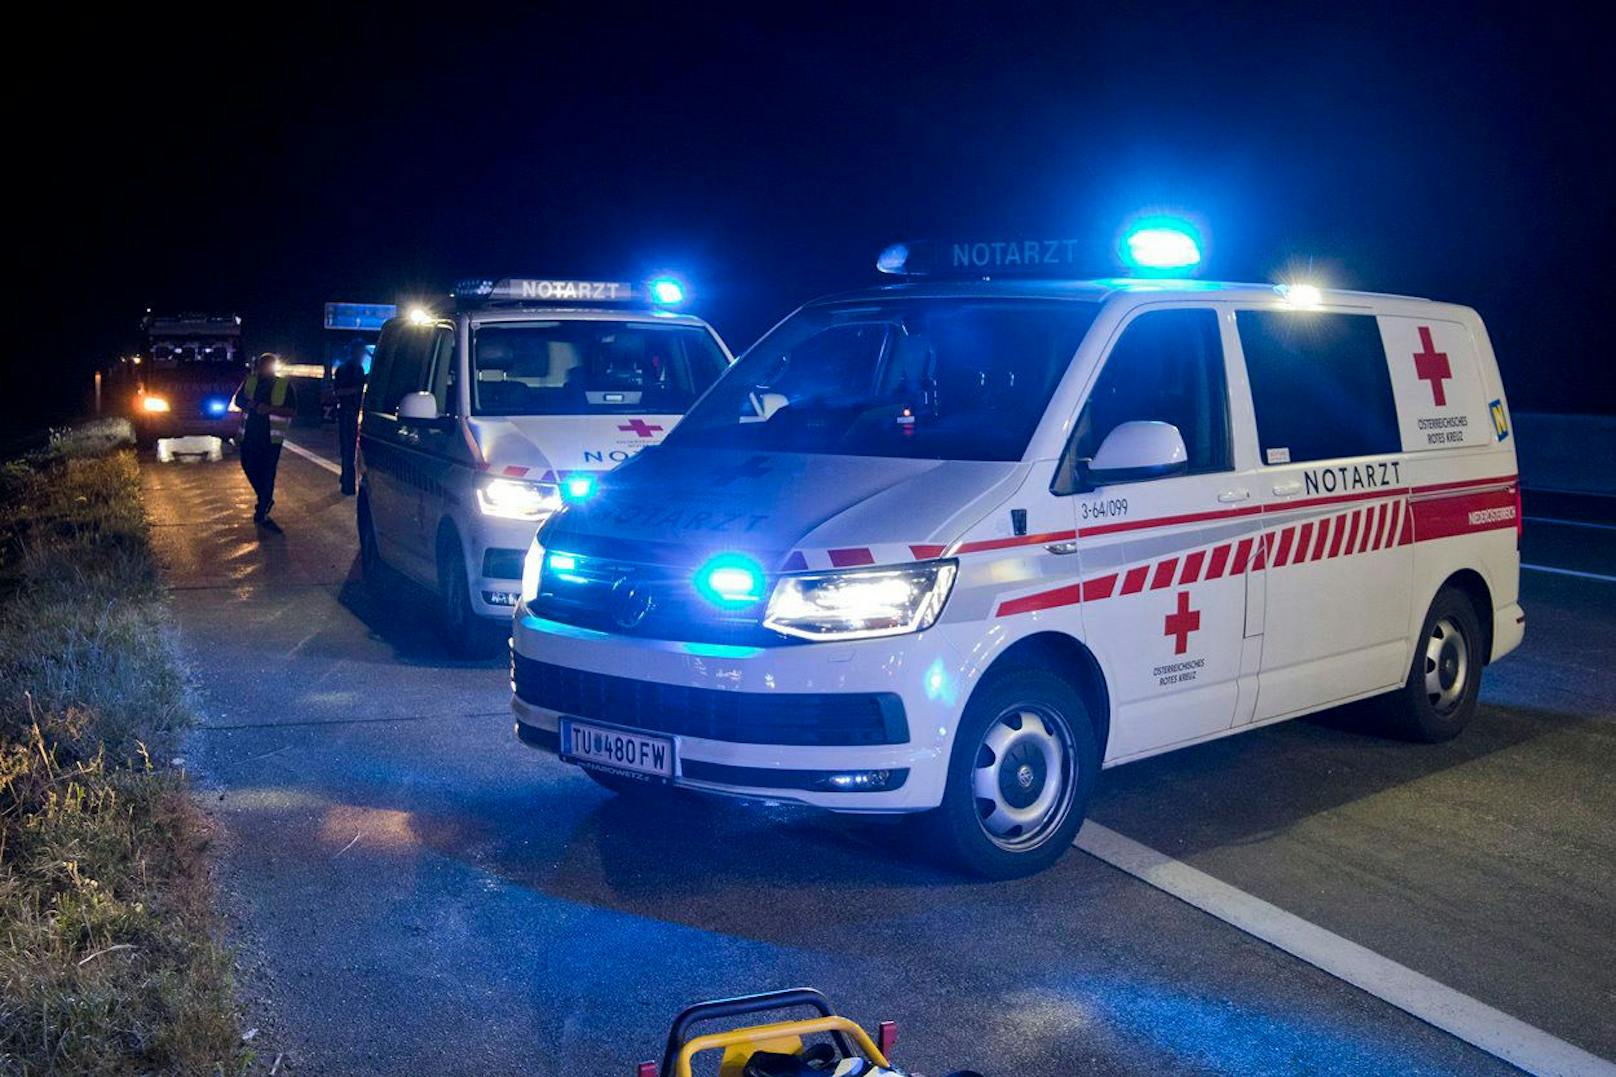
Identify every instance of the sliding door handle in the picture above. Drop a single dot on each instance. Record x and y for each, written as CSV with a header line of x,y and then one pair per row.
x,y
1287,489
1229,497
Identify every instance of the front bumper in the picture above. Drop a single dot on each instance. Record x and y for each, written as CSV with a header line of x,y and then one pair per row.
x,y
924,672
494,552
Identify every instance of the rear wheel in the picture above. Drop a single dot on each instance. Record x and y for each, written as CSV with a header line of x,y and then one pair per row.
x,y
464,631
1023,769
1444,681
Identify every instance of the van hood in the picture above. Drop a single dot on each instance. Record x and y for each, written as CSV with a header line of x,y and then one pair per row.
x,y
561,444
683,505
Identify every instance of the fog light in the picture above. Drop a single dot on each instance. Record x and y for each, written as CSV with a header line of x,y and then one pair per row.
x,y
859,781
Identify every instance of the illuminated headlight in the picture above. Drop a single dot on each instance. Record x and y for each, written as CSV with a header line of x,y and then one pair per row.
x,y
512,499
532,566
154,403
860,603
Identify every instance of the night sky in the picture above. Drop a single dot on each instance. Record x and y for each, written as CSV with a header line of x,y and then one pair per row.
x,y
268,165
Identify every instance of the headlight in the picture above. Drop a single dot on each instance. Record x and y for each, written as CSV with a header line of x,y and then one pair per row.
x,y
860,603
531,564
153,403
511,499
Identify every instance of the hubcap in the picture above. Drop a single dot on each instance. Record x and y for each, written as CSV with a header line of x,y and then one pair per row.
x,y
1447,666
1023,779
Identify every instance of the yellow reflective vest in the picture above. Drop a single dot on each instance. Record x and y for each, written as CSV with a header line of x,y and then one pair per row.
x,y
279,389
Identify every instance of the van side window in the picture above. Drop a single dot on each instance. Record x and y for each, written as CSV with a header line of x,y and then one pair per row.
x,y
381,362
1320,385
443,370
1166,367
409,368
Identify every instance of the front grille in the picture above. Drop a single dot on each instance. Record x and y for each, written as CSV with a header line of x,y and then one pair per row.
x,y
798,718
587,597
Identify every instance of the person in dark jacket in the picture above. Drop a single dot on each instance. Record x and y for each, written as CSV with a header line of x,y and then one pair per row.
x,y
348,380
268,402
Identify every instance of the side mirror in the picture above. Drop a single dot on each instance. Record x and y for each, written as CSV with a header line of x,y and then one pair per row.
x,y
418,407
1136,451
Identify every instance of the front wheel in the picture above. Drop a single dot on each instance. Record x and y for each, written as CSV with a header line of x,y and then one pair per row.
x,y
466,633
1444,681
1023,768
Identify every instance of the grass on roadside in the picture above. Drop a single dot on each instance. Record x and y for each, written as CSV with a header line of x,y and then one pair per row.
x,y
109,952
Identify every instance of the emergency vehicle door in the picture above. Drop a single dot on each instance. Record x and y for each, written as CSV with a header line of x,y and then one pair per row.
x,y
1337,535
1163,559
435,444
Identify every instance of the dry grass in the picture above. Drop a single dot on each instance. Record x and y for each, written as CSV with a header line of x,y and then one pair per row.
x,y
109,959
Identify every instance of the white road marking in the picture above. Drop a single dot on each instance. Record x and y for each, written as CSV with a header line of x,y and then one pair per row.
x,y
312,457
1568,523
1472,1021
1569,572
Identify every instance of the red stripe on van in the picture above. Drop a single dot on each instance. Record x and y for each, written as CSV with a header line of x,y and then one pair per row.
x,y
1134,581
1284,553
1164,574
1192,567
1304,535
1018,540
1044,600
1167,521
852,557
1220,559
1242,553
1462,483
1099,587
926,553
1339,533
1490,510
1323,538
796,562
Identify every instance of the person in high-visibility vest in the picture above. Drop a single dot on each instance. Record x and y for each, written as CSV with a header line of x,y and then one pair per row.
x,y
268,402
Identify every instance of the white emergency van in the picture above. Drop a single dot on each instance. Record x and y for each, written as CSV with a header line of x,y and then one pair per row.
x,y
478,423
953,547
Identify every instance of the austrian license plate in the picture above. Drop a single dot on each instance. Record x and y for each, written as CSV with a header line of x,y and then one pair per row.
x,y
616,749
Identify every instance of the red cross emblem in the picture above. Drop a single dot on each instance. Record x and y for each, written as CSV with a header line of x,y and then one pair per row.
x,y
640,428
1181,622
1432,366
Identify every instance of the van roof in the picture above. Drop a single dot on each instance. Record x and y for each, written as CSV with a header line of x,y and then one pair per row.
x,y
1095,291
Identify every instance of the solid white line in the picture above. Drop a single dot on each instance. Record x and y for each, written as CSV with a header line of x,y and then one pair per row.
x,y
1570,572
313,457
1568,523
1478,1024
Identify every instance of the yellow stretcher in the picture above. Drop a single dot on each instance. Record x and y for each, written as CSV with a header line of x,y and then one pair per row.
x,y
754,1045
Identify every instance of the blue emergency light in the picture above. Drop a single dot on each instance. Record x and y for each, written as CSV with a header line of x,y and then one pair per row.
x,y
1160,246
666,291
216,405
730,580
578,487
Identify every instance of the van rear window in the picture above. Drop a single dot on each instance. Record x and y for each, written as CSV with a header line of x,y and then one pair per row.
x,y
1320,385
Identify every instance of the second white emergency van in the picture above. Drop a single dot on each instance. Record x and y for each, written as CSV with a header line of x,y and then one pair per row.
x,y
478,423
953,547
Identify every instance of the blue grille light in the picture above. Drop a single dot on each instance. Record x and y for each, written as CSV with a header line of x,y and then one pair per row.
x,y
217,405
730,580
578,487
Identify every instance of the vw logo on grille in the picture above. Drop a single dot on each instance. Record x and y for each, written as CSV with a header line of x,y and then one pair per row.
x,y
629,602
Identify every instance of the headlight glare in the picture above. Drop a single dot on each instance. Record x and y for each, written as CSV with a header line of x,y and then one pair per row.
x,y
860,603
512,499
154,403
532,564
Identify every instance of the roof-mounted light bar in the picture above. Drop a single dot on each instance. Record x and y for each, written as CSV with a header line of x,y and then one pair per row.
x,y
662,291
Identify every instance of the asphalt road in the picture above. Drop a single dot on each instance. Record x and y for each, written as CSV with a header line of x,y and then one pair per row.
x,y
414,891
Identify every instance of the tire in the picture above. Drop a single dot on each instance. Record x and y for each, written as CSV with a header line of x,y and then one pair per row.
x,y
465,632
1444,679
1004,823
371,565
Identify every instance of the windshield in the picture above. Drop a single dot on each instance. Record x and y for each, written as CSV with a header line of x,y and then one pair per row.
x,y
940,379
578,367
